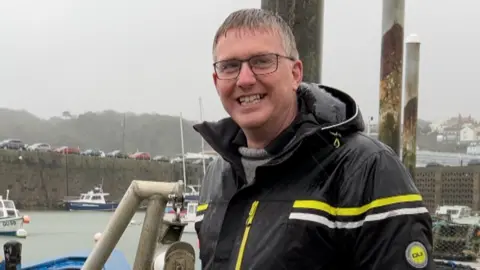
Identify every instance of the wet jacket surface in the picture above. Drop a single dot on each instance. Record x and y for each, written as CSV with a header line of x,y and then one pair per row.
x,y
332,198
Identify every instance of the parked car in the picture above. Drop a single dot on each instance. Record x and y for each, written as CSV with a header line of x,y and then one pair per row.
x,y
433,164
92,153
117,154
140,156
161,159
68,150
40,147
12,144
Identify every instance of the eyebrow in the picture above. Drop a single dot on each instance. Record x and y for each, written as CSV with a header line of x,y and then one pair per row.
x,y
245,58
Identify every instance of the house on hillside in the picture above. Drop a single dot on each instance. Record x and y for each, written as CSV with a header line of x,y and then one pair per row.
x,y
450,134
437,126
477,132
468,134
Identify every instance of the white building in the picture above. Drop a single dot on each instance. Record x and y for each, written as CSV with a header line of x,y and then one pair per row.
x,y
468,134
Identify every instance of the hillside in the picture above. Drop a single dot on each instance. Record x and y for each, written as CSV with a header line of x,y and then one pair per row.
x,y
154,133
157,134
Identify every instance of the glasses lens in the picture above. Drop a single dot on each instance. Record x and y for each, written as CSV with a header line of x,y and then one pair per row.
x,y
264,64
228,69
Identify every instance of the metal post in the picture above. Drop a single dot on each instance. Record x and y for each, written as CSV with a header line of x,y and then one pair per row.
x,y
410,110
120,219
306,20
149,234
124,121
66,172
391,73
183,150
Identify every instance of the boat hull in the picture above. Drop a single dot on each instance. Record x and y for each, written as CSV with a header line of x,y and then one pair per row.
x,y
116,261
10,226
86,206
191,198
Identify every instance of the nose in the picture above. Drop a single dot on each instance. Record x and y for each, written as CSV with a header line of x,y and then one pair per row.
x,y
246,78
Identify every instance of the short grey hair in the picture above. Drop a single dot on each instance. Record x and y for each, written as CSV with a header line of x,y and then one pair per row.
x,y
258,19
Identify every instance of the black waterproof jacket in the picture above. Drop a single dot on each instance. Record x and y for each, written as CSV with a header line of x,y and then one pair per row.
x,y
332,198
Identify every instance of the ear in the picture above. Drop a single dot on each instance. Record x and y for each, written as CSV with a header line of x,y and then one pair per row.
x,y
215,80
297,74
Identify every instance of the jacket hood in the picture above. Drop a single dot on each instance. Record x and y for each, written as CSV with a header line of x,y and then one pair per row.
x,y
332,109
321,109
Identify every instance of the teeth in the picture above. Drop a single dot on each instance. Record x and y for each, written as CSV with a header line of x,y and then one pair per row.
x,y
250,99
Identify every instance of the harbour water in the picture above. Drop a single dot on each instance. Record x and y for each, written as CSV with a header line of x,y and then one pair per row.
x,y
55,233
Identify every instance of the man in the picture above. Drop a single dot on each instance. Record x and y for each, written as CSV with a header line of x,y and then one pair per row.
x,y
297,185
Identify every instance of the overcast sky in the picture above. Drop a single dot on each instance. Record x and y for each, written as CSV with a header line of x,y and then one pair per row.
x,y
155,56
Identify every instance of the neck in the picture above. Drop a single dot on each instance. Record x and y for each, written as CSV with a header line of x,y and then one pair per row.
x,y
260,137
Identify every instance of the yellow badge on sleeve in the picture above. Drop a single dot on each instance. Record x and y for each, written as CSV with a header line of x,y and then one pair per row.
x,y
417,255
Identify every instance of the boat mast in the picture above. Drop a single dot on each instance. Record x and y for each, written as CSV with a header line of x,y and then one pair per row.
x,y
183,150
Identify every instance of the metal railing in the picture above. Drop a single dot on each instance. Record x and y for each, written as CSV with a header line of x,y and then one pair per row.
x,y
150,244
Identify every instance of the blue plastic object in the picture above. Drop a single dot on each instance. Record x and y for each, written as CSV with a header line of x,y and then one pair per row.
x,y
117,261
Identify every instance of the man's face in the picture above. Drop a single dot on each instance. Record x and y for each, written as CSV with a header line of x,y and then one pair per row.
x,y
276,90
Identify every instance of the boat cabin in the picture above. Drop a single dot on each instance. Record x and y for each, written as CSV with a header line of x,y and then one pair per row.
x,y
8,209
192,189
454,211
192,193
94,196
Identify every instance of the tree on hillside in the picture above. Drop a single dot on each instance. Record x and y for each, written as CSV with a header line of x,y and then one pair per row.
x,y
66,114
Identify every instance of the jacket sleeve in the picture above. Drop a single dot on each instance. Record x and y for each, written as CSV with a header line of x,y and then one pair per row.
x,y
396,230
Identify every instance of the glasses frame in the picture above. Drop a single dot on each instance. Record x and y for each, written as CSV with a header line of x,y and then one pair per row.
x,y
247,60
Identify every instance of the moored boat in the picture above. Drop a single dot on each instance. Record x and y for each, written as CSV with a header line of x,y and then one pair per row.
x,y
457,213
93,200
187,216
192,196
116,261
11,222
193,193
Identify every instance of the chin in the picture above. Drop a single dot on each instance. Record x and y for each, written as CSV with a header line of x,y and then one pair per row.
x,y
246,122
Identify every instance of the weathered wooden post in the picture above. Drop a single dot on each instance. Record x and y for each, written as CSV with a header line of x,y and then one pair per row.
x,y
410,110
306,20
391,73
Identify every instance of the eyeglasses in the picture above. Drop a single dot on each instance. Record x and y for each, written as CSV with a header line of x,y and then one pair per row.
x,y
259,64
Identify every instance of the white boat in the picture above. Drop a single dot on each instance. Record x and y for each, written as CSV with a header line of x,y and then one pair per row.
x,y
458,213
454,211
11,222
93,200
192,193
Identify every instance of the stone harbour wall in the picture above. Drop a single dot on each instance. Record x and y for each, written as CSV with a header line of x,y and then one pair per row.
x,y
40,180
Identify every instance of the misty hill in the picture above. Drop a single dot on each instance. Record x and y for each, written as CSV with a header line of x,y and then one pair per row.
x,y
154,133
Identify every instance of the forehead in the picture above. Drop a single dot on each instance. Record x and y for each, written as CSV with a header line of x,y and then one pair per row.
x,y
243,42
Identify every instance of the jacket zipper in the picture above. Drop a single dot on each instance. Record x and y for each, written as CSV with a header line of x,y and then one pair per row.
x,y
248,224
